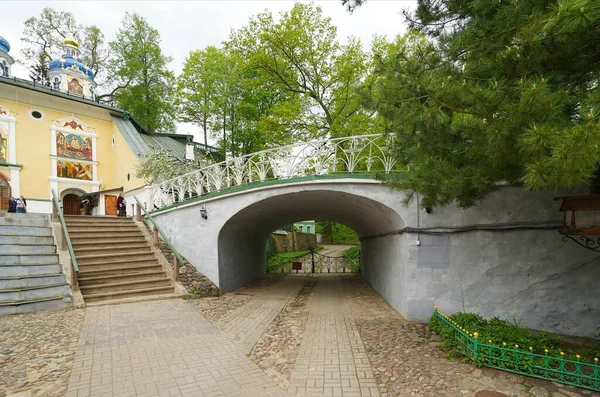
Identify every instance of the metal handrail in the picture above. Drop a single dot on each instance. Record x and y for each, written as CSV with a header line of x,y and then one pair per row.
x,y
157,228
65,231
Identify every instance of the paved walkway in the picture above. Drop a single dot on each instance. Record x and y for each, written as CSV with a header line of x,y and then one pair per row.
x,y
161,348
332,360
246,325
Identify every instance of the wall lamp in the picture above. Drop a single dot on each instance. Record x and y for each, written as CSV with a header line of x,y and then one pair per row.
x,y
203,213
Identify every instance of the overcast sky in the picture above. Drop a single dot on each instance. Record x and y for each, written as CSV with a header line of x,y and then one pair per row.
x,y
190,25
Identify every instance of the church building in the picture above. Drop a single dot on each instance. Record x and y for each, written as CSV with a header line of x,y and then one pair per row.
x,y
59,138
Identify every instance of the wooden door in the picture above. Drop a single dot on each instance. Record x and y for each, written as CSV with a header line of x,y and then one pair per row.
x,y
71,204
4,193
110,205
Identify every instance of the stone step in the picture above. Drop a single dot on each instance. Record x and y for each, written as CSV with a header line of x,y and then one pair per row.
x,y
28,259
104,269
51,291
34,305
72,219
114,257
112,248
128,294
102,235
89,242
25,240
25,231
102,228
85,280
30,270
7,282
20,220
14,249
124,286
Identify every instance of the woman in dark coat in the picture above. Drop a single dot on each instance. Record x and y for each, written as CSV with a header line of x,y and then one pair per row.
x,y
121,206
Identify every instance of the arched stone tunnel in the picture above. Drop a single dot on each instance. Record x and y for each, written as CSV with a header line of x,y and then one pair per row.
x,y
461,260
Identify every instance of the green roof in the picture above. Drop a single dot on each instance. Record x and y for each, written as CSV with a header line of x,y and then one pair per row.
x,y
143,143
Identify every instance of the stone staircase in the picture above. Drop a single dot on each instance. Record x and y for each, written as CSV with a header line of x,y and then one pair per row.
x,y
115,260
31,277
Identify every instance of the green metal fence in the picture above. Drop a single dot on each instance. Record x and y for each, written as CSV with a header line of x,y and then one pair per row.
x,y
523,361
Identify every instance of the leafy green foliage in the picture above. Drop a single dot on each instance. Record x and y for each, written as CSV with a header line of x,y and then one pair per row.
x,y
352,256
497,332
161,165
484,93
301,55
145,85
336,233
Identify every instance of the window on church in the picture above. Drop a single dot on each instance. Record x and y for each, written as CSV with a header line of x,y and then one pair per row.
x,y
56,83
4,69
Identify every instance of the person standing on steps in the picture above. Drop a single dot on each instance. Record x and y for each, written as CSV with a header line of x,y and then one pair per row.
x,y
121,206
21,205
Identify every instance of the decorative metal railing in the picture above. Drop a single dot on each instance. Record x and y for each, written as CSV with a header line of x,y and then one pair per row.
x,y
314,262
57,213
350,155
523,360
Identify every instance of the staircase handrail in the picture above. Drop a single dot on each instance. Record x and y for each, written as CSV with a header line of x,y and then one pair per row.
x,y
157,228
65,231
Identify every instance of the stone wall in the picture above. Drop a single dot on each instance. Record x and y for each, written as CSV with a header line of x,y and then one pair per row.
x,y
489,259
286,243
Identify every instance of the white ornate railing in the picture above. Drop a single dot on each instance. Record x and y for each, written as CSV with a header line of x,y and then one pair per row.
x,y
355,154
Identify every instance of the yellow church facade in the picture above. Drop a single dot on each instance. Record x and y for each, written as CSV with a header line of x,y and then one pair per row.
x,y
52,138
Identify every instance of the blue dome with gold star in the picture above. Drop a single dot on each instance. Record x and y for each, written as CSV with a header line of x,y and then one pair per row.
x,y
67,62
4,45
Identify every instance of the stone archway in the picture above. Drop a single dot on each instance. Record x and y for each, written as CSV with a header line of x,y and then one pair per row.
x,y
71,202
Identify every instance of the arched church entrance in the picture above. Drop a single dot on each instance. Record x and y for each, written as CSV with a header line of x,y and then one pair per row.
x,y
71,201
5,192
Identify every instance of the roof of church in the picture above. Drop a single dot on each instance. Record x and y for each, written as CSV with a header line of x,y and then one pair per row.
x,y
143,143
140,141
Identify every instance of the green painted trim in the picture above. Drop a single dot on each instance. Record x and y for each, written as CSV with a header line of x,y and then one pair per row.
x,y
162,234
10,165
66,231
269,183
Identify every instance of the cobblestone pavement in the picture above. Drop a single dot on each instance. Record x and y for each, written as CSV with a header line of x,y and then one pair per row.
x,y
249,322
407,360
161,348
276,351
331,360
37,350
215,309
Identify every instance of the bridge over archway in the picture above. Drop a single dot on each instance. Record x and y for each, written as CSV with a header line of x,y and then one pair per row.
x,y
500,258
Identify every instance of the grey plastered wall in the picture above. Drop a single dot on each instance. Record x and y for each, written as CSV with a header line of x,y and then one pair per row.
x,y
527,275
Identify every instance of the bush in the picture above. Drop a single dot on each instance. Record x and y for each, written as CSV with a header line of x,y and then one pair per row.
x,y
496,332
352,256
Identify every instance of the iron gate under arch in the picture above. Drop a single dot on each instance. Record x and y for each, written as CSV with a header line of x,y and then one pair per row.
x,y
314,262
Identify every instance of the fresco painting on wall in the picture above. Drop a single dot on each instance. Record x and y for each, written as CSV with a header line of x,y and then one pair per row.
x,y
73,146
68,169
75,87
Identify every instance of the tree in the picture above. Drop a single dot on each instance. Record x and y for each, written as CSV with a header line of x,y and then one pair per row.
x,y
351,5
489,93
234,103
301,54
197,87
161,165
144,85
44,37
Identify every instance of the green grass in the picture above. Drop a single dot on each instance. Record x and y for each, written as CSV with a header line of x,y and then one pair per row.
x,y
352,256
499,332
284,260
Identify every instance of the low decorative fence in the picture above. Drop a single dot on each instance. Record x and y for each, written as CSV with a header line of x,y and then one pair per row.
x,y
522,360
313,262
